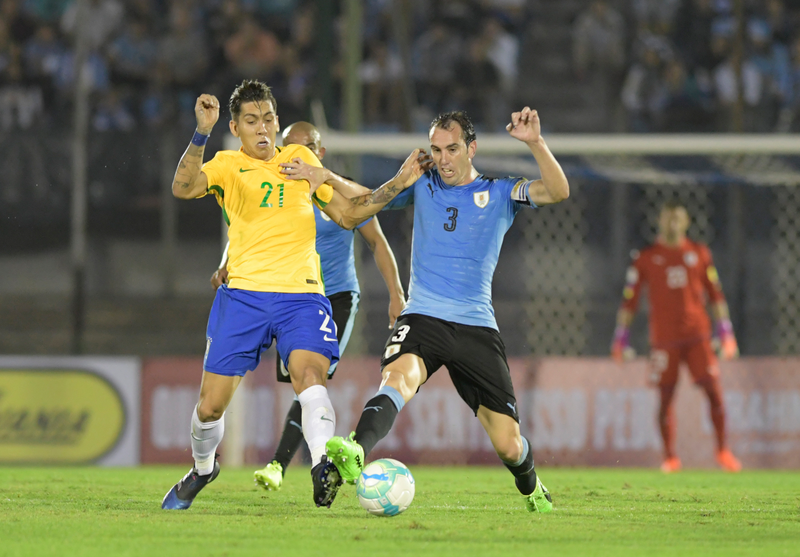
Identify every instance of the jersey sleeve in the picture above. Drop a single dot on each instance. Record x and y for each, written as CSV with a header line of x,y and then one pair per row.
x,y
710,277
403,199
323,196
634,277
217,173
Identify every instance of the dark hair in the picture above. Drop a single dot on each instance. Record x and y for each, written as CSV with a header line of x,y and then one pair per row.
x,y
250,90
446,121
672,204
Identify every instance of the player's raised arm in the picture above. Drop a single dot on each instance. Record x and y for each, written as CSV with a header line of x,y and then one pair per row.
x,y
553,186
298,169
348,212
189,181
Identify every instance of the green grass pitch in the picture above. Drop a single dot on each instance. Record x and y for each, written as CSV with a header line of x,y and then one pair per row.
x,y
459,511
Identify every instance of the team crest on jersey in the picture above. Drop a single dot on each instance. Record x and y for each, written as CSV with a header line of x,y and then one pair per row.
x,y
690,258
481,198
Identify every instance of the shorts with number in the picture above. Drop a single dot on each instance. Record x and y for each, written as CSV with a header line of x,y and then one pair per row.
x,y
474,356
698,355
243,324
344,306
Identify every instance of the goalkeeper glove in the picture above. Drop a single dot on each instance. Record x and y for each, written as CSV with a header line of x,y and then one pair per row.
x,y
621,346
724,340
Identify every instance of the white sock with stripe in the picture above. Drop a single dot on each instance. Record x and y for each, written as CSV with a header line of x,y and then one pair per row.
x,y
319,420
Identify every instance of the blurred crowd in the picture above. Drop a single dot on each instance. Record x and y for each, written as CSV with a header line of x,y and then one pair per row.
x,y
669,65
683,63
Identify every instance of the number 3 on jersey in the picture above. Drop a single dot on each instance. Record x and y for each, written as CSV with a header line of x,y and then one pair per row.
x,y
451,226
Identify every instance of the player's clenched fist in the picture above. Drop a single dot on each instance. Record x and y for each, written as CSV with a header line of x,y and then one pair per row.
x,y
525,125
206,110
417,163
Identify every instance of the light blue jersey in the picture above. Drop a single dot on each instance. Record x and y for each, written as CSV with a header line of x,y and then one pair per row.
x,y
336,254
458,232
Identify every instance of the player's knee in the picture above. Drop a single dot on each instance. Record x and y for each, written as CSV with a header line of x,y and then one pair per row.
x,y
308,376
207,411
509,450
406,383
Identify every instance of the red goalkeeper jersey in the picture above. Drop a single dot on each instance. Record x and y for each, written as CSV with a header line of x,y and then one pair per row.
x,y
680,280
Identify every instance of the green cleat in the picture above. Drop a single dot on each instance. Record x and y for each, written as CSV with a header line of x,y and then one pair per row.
x,y
347,455
270,477
539,501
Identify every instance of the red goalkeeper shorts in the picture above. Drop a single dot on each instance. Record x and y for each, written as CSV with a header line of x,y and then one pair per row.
x,y
698,355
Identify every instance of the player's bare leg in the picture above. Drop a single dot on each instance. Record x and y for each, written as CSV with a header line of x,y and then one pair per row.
x,y
309,373
515,452
401,379
711,386
667,427
208,427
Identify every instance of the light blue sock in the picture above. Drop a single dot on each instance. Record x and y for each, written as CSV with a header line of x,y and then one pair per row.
x,y
394,395
525,449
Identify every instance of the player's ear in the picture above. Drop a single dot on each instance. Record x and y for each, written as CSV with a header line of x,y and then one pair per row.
x,y
234,128
321,152
472,149
277,124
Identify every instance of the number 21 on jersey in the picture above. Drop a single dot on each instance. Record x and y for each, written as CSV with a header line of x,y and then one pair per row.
x,y
270,187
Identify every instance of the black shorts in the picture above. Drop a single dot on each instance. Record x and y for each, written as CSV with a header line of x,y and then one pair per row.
x,y
474,356
344,306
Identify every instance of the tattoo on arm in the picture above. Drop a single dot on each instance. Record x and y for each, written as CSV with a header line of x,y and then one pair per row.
x,y
189,166
383,194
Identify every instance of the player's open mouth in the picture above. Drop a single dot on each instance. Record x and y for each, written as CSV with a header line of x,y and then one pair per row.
x,y
447,172
263,144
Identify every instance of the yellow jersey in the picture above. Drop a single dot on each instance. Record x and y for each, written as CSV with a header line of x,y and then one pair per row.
x,y
271,221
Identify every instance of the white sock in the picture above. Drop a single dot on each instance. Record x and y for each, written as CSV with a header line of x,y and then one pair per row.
x,y
319,420
206,437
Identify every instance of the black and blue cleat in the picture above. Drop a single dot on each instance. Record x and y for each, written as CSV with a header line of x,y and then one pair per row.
x,y
326,479
182,494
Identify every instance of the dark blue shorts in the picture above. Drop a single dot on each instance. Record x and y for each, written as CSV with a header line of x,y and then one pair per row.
x,y
243,323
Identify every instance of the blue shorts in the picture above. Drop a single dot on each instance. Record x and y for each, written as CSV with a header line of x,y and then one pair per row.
x,y
243,323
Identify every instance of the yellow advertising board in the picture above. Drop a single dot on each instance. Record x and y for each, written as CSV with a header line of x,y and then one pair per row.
x,y
62,416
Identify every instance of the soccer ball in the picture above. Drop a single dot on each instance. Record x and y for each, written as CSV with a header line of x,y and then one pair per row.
x,y
385,487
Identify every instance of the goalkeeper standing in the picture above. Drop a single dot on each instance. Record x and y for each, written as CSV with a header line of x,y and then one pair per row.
x,y
681,277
